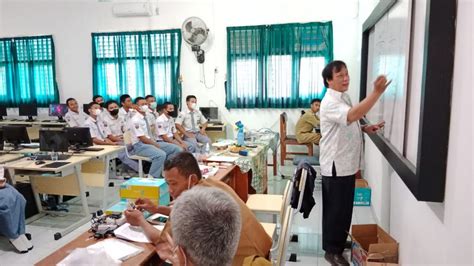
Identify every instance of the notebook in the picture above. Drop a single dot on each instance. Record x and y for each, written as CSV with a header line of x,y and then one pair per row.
x,y
134,233
117,249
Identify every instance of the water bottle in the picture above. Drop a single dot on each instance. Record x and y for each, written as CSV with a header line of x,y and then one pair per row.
x,y
54,156
207,149
240,137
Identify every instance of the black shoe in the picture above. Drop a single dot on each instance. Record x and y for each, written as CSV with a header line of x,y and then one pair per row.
x,y
336,259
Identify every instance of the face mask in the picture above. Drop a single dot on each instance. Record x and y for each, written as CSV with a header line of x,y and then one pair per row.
x,y
97,112
144,108
194,105
153,105
114,112
189,182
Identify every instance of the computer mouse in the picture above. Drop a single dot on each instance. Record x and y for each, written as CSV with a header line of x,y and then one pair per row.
x,y
40,162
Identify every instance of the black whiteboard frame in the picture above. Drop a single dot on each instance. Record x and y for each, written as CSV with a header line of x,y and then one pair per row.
x,y
427,180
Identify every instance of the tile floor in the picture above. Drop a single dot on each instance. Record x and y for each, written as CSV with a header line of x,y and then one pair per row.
x,y
308,247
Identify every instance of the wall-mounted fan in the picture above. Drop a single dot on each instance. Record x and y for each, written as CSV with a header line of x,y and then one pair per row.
x,y
195,33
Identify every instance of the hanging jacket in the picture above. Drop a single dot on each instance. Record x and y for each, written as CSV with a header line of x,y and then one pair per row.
x,y
308,200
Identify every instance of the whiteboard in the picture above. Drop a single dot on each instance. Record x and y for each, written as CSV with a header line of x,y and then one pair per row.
x,y
388,54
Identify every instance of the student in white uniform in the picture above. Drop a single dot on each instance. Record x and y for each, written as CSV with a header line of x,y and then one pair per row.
x,y
100,134
144,145
192,123
341,153
127,104
113,121
74,117
99,99
166,129
152,105
150,118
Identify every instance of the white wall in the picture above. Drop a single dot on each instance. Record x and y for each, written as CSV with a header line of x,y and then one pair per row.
x,y
72,22
434,233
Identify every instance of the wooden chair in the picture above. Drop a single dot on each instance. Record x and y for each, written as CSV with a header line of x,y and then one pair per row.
x,y
289,140
127,139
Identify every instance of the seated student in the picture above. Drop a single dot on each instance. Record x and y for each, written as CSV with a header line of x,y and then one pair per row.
x,y
12,217
306,125
143,144
73,117
189,121
166,129
98,132
182,173
206,220
112,126
98,99
150,118
127,104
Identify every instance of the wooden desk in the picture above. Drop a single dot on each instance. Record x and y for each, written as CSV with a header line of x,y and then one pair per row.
x,y
96,172
63,180
147,257
5,158
237,180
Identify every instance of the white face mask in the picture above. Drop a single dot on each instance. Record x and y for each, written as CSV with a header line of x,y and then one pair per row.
x,y
193,106
144,108
153,105
97,112
189,182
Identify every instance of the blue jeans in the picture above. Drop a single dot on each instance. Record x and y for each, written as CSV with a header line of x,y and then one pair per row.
x,y
170,149
157,157
127,161
190,148
198,138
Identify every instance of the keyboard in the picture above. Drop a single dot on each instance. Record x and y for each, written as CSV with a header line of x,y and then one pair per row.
x,y
54,165
47,157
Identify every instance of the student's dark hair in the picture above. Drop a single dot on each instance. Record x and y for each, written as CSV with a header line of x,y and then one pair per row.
x,y
109,103
165,105
185,163
68,100
138,99
96,96
315,100
124,97
327,71
149,96
92,104
189,97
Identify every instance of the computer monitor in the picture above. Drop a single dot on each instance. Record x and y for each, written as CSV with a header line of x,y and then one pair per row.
x,y
78,137
211,113
59,110
15,135
53,140
85,108
3,111
28,109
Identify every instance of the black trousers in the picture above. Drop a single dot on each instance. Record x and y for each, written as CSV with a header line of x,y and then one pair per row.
x,y
338,202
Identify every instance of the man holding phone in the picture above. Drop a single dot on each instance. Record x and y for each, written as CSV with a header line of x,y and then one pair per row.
x,y
341,154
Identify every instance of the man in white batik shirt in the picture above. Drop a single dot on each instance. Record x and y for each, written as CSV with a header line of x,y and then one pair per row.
x,y
341,154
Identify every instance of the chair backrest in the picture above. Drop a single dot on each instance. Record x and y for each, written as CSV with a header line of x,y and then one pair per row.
x,y
286,199
283,122
127,138
284,238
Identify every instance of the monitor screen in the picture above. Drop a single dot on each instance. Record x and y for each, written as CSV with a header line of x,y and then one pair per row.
x,y
53,140
211,113
28,109
57,109
3,110
79,136
15,134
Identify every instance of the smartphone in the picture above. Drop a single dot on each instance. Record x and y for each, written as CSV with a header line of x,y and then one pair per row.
x,y
157,219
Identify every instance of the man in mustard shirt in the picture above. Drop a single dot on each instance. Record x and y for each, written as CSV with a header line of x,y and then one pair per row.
x,y
308,124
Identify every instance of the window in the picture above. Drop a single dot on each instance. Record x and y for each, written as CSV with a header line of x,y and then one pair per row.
x,y
277,66
27,71
137,63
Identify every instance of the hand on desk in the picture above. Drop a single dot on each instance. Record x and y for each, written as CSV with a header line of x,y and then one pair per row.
x,y
134,217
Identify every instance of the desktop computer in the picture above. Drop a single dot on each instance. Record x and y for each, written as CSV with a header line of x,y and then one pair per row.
x,y
211,113
59,110
54,140
29,110
15,135
78,137
3,111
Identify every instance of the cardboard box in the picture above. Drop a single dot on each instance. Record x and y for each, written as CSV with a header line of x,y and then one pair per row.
x,y
362,193
117,208
154,189
372,246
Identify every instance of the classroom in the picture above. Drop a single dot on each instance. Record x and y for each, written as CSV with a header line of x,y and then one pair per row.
x,y
218,132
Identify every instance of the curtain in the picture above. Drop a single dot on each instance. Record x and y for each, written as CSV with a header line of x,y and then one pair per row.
x,y
277,66
137,63
27,71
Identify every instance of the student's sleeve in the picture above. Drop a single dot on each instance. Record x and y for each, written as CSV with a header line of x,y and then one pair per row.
x,y
202,119
160,127
136,129
92,130
180,119
336,112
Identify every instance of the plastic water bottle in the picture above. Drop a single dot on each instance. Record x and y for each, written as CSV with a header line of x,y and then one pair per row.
x,y
207,149
54,156
240,137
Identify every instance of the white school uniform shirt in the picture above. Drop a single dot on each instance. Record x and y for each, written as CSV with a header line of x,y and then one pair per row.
x,y
96,128
165,126
341,142
151,119
74,119
185,119
138,127
115,125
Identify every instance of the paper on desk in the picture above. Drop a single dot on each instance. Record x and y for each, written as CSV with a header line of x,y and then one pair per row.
x,y
228,159
117,249
134,233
